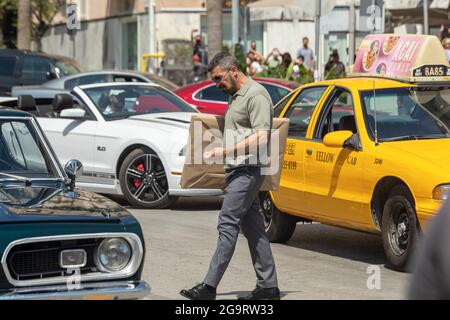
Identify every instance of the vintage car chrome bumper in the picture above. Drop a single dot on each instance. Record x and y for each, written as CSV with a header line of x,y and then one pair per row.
x,y
86,291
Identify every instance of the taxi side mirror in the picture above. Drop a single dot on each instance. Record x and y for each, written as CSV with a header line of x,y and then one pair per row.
x,y
337,139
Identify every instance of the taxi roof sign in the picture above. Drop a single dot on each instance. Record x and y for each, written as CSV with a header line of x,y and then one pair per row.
x,y
412,58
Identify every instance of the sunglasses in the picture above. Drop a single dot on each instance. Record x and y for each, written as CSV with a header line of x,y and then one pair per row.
x,y
219,78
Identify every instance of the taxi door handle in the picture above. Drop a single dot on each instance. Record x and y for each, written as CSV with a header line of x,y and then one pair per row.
x,y
309,152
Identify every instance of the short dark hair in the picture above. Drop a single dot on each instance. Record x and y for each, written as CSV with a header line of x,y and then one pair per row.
x,y
223,59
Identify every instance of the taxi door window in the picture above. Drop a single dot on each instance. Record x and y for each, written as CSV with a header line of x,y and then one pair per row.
x,y
337,115
301,110
280,106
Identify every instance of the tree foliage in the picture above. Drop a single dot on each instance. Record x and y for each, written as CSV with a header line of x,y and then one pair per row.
x,y
8,23
43,13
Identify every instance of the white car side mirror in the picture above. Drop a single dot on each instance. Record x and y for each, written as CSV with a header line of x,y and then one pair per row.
x,y
73,113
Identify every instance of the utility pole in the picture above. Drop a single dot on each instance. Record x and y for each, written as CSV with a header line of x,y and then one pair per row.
x,y
426,27
317,48
151,26
351,37
214,20
235,19
151,35
24,25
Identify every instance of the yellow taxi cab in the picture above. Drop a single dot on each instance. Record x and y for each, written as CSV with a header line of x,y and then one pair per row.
x,y
370,152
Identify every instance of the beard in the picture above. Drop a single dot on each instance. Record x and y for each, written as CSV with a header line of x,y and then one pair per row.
x,y
232,89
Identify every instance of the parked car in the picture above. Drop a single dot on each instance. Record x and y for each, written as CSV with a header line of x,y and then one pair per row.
x,y
18,67
210,99
136,151
49,89
57,241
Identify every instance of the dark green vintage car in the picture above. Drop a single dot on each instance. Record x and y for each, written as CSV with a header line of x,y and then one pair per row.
x,y
56,241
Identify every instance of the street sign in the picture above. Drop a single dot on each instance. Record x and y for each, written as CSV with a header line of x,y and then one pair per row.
x,y
371,16
73,21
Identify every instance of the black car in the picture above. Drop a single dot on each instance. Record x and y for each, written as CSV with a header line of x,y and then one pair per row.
x,y
57,241
19,67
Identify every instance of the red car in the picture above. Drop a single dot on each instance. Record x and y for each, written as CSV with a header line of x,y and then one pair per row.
x,y
209,99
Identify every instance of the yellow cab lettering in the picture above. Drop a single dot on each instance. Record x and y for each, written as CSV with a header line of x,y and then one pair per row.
x,y
290,149
325,157
352,161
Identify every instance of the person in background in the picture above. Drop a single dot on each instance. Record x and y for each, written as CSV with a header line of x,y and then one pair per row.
x,y
116,104
431,267
274,59
254,55
286,60
254,63
444,32
298,72
308,55
446,45
335,69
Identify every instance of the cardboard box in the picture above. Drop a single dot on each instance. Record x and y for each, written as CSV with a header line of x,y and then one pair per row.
x,y
208,129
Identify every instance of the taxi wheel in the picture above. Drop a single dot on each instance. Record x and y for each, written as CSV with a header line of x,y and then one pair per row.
x,y
279,226
400,228
143,181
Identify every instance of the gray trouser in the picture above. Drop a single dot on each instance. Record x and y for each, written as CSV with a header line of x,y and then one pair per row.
x,y
241,209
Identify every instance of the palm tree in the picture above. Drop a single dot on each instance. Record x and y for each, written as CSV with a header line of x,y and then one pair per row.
x,y
24,25
214,20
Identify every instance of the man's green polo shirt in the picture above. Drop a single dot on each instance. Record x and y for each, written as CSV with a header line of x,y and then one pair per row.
x,y
249,110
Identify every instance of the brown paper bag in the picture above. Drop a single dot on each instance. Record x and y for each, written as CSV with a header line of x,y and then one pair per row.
x,y
199,175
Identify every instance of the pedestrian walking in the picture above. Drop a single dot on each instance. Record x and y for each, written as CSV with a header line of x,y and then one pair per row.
x,y
248,121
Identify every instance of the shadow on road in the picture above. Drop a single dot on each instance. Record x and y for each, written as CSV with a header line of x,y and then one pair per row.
x,y
198,204
339,242
246,293
182,204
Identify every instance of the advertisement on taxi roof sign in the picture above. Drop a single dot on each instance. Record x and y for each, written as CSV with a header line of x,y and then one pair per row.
x,y
387,55
396,56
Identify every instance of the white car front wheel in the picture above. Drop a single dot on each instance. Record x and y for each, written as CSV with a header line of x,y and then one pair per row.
x,y
144,182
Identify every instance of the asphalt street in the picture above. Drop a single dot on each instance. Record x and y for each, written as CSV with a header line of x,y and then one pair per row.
x,y
319,262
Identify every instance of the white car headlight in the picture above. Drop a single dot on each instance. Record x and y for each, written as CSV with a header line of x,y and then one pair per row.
x,y
114,254
442,192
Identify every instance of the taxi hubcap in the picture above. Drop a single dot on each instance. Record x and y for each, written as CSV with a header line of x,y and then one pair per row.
x,y
266,208
399,229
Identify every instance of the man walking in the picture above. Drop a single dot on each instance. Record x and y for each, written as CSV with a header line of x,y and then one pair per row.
x,y
248,122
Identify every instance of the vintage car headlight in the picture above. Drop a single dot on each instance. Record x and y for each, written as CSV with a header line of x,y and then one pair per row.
x,y
114,254
441,192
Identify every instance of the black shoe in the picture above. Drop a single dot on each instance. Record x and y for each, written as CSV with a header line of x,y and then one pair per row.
x,y
200,292
263,294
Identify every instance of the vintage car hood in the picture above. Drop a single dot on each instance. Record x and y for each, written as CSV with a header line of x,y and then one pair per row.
x,y
35,204
177,119
435,151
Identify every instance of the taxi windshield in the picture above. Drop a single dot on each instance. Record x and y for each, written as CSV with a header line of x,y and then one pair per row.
x,y
407,113
22,153
116,102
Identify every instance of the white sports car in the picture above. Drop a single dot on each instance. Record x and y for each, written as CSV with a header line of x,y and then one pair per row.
x,y
130,137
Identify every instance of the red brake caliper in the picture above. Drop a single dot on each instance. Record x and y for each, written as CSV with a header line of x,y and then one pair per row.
x,y
137,182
